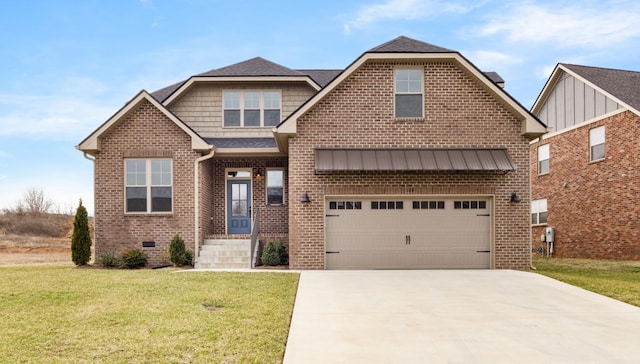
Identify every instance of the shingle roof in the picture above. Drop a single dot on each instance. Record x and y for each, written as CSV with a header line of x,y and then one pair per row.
x,y
404,44
165,92
624,85
322,77
495,77
253,67
253,143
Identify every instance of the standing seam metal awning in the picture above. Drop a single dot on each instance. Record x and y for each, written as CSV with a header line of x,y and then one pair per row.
x,y
329,160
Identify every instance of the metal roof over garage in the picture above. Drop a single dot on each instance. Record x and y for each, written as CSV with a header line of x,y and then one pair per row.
x,y
331,160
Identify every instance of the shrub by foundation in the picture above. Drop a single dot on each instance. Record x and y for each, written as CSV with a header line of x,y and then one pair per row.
x,y
108,259
178,255
274,253
134,258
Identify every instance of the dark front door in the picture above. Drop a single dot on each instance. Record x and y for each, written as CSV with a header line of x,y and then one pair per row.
x,y
239,207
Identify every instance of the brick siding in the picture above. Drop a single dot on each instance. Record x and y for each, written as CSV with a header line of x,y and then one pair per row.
x,y
459,113
593,206
274,222
144,133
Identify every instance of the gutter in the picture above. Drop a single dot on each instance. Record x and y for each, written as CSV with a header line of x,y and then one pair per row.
x,y
196,182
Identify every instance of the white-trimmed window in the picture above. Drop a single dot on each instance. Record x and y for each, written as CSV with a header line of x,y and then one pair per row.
x,y
596,143
543,159
409,93
275,186
251,108
539,212
148,185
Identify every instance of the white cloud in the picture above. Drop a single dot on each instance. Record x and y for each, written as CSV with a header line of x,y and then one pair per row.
x,y
593,25
491,60
51,116
404,10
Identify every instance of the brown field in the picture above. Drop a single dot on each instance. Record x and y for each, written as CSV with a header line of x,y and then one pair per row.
x,y
17,249
29,239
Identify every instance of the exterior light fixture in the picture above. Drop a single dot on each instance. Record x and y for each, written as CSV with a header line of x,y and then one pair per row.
x,y
305,198
259,176
515,198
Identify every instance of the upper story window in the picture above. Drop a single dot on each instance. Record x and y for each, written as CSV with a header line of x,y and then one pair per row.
x,y
148,185
275,187
539,212
596,143
409,93
251,108
543,159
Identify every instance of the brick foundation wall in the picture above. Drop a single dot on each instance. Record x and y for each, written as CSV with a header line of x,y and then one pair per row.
x,y
460,113
593,206
144,133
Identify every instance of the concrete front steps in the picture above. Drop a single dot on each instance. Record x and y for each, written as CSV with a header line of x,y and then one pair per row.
x,y
225,254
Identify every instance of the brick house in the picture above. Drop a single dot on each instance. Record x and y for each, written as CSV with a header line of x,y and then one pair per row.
x,y
410,157
585,180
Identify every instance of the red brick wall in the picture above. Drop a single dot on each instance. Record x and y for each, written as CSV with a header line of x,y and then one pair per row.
x,y
273,219
144,133
592,206
359,113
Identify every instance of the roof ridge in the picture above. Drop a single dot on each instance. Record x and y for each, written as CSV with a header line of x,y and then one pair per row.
x,y
256,66
404,44
596,67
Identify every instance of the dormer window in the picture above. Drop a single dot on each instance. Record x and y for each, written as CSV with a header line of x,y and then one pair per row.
x,y
251,108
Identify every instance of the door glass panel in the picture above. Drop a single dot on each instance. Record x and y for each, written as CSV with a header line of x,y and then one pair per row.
x,y
239,203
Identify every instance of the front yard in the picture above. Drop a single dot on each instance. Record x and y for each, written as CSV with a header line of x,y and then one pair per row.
x,y
616,279
57,313
60,314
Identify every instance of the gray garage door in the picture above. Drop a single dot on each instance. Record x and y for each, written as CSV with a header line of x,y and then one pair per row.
x,y
408,233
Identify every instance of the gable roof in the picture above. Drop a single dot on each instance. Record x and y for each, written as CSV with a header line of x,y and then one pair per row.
x,y
407,48
91,144
255,69
257,66
621,84
404,44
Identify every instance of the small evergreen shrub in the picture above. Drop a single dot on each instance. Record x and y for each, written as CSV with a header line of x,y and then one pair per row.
x,y
283,253
108,259
81,239
178,254
274,253
134,258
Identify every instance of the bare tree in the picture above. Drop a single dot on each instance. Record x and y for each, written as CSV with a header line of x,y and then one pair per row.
x,y
34,201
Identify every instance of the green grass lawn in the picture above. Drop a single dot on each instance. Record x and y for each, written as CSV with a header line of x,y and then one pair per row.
x,y
60,314
616,279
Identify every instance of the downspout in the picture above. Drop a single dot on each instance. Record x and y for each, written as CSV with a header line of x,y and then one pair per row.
x,y
86,156
196,183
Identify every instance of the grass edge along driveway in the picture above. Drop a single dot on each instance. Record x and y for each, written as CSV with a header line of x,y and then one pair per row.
x,y
619,280
58,313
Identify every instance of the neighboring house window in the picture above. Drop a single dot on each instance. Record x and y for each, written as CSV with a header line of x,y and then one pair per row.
x,y
275,187
148,185
543,159
596,143
539,212
408,93
251,108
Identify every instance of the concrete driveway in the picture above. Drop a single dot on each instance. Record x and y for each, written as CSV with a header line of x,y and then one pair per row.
x,y
456,316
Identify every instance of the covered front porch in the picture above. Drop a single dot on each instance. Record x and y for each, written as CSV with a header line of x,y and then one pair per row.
x,y
245,207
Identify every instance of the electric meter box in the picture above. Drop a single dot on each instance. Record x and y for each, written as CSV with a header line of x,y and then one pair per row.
x,y
549,232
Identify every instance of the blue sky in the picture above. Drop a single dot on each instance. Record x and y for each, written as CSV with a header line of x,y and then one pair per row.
x,y
67,66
